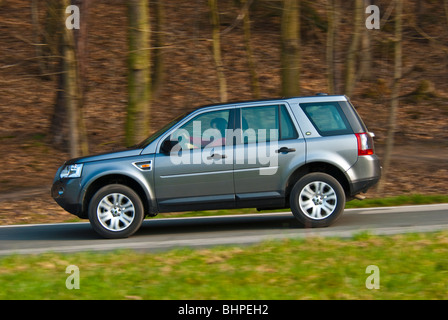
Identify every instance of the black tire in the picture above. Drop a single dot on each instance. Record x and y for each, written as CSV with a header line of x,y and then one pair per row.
x,y
317,200
116,211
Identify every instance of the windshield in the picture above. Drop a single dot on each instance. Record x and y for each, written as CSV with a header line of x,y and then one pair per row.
x,y
159,132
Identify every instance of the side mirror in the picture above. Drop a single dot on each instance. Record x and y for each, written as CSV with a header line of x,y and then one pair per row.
x,y
167,145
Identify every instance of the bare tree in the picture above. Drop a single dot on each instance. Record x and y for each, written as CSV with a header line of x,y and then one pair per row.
x,y
67,123
158,72
36,37
290,48
73,94
254,83
214,18
81,44
394,93
80,38
52,37
350,65
445,5
332,18
139,79
365,61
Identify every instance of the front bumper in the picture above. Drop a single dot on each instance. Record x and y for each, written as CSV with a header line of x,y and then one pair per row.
x,y
66,193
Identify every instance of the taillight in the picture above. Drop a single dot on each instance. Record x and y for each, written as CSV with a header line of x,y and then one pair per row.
x,y
365,144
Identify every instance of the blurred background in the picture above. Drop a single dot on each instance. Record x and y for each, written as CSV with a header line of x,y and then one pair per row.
x,y
133,65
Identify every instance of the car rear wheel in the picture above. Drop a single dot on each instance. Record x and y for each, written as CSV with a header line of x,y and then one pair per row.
x,y
317,200
116,211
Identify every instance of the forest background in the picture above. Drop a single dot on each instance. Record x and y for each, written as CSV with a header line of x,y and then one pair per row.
x,y
134,65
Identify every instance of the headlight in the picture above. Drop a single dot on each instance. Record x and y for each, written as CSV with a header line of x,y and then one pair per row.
x,y
71,171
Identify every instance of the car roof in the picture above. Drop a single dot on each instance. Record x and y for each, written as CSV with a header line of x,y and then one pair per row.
x,y
304,99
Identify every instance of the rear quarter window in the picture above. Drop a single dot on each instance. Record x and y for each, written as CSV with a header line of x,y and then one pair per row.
x,y
327,118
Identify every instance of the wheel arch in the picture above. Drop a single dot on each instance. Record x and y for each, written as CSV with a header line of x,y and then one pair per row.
x,y
323,167
108,179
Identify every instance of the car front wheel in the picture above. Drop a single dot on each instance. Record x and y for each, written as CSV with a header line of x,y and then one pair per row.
x,y
116,211
317,200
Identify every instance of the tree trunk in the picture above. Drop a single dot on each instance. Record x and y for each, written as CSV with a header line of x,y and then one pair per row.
x,y
54,47
445,5
330,46
394,94
350,68
365,63
36,38
139,81
254,83
290,48
67,124
158,73
72,92
80,39
214,17
51,38
71,95
81,44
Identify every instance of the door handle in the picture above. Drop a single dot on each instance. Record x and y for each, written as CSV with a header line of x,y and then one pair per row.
x,y
216,156
285,150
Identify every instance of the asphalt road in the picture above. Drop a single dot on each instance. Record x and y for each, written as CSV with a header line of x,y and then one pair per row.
x,y
163,234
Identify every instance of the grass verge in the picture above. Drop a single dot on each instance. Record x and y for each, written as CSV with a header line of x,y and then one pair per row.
x,y
414,199
411,266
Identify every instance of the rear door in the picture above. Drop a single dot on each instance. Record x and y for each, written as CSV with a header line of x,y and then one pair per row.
x,y
269,148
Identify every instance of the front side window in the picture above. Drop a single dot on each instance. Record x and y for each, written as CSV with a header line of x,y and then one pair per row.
x,y
205,130
327,118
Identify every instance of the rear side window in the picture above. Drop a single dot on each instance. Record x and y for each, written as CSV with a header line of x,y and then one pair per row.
x,y
267,120
327,118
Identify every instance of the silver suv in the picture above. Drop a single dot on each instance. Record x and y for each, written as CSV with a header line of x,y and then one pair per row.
x,y
310,154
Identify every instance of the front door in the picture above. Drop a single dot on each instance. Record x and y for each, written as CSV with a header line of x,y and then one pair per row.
x,y
198,173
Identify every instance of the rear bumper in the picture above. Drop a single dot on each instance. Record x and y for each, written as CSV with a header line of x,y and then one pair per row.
x,y
364,174
362,186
